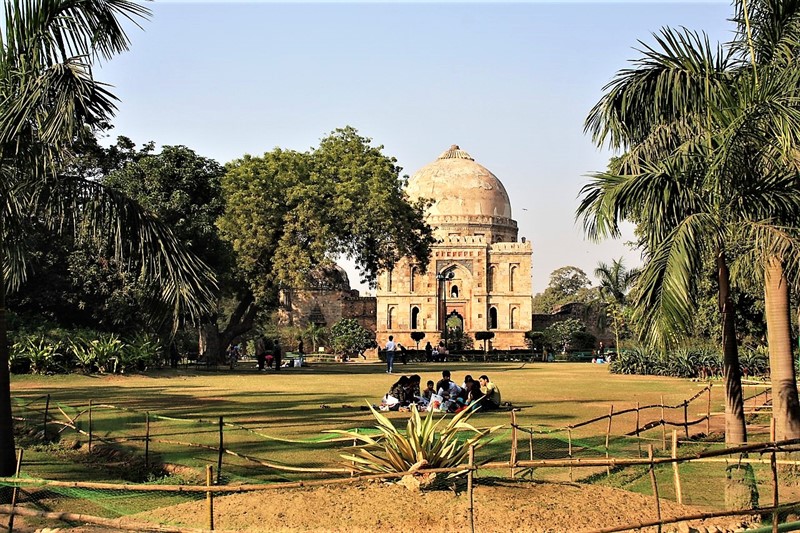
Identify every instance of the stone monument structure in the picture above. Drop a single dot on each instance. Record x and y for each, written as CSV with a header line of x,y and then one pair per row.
x,y
479,275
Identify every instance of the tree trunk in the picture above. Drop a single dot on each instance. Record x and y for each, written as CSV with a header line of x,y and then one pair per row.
x,y
785,407
735,429
213,342
7,449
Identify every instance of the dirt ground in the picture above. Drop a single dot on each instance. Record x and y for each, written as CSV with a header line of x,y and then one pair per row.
x,y
502,507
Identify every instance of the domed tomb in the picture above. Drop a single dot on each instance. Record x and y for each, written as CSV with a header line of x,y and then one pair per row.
x,y
468,199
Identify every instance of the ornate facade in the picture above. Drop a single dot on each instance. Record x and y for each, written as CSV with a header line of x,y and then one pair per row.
x,y
479,275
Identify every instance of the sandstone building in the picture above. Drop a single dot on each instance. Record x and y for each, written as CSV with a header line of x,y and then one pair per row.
x,y
479,275
325,300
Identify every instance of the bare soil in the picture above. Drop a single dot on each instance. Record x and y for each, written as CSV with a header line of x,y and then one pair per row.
x,y
501,506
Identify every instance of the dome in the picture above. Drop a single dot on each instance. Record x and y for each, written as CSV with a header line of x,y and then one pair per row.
x,y
329,276
459,186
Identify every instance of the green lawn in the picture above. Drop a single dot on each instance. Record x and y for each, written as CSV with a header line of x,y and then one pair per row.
x,y
287,406
283,417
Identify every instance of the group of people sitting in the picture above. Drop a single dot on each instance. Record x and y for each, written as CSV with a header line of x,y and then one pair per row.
x,y
444,396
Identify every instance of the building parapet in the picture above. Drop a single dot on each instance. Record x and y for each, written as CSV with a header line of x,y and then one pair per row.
x,y
434,220
524,246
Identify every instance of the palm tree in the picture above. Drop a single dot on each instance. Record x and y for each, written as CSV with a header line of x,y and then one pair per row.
x,y
770,35
702,141
615,282
50,101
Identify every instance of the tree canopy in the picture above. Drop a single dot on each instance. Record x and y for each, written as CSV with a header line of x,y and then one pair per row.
x,y
288,213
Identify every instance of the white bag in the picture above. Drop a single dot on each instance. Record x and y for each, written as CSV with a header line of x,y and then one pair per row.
x,y
436,402
390,400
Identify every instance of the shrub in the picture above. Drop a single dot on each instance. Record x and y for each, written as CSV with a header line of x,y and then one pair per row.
x,y
425,443
107,350
142,352
41,354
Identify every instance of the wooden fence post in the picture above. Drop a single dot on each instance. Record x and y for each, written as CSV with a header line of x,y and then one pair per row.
x,y
15,492
471,488
608,434
638,440
513,443
90,426
708,410
210,497
147,440
44,422
675,471
654,483
663,426
686,417
569,451
219,457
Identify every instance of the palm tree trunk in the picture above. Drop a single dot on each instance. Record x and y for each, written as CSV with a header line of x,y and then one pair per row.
x,y
735,429
785,408
7,450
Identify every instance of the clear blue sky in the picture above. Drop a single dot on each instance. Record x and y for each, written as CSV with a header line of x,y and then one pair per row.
x,y
510,83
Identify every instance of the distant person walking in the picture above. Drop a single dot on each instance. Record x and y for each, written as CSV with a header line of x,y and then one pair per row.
x,y
391,347
428,352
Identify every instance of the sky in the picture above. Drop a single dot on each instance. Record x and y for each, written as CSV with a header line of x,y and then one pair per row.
x,y
510,83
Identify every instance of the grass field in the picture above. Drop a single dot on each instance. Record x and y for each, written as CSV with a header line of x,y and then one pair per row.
x,y
286,413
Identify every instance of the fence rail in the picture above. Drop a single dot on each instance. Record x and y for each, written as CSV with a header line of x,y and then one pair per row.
x,y
559,449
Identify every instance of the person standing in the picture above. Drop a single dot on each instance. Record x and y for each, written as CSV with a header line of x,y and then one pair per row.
x,y
428,352
403,353
276,353
261,352
391,347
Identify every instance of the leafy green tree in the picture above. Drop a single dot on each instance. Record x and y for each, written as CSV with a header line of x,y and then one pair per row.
x,y
351,338
183,189
560,333
50,99
288,213
568,284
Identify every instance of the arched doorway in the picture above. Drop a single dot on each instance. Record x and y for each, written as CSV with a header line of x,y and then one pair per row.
x,y
455,332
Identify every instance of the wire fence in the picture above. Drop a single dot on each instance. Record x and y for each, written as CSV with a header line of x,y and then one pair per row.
x,y
658,450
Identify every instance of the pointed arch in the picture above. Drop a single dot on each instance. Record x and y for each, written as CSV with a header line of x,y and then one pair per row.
x,y
415,317
492,318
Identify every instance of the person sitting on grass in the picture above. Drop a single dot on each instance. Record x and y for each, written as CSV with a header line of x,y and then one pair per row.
x,y
491,393
413,390
473,391
398,395
429,391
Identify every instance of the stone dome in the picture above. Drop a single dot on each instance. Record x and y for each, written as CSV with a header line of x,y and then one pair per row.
x,y
459,187
329,276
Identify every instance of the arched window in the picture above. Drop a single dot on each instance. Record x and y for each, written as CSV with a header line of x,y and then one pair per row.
x,y
493,318
389,281
413,278
512,319
511,275
414,317
454,291
490,279
390,318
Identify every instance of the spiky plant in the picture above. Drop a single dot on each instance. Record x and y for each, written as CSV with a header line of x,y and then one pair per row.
x,y
426,443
